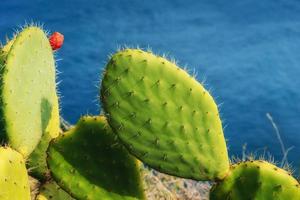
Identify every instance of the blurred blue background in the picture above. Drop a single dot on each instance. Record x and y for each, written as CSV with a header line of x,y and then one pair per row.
x,y
247,51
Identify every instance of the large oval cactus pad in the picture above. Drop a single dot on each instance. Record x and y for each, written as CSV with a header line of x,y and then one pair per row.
x,y
89,163
28,90
164,116
256,180
14,183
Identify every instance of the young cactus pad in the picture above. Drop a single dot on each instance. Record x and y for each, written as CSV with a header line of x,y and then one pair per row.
x,y
51,191
88,163
164,116
29,103
14,183
256,180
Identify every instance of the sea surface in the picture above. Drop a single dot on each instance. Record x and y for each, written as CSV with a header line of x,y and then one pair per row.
x,y
248,53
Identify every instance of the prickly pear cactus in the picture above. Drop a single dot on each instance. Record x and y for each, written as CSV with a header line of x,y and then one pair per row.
x,y
256,180
29,105
51,191
89,163
164,116
14,182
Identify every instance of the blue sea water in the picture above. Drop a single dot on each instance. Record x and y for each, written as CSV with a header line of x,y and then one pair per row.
x,y
247,51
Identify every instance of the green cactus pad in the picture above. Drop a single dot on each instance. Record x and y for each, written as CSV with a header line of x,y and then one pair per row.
x,y
51,191
29,104
88,163
14,183
164,116
256,180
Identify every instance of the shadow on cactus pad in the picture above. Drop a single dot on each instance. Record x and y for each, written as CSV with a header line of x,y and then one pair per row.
x,y
37,159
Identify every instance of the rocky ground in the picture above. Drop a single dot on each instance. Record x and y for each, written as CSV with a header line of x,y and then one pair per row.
x,y
160,186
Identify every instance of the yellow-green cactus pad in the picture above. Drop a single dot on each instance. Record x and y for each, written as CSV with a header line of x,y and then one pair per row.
x,y
29,104
51,191
256,180
89,163
14,183
164,116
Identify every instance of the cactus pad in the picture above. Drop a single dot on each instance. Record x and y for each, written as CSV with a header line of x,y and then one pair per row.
x,y
164,116
89,163
29,104
14,183
51,191
256,180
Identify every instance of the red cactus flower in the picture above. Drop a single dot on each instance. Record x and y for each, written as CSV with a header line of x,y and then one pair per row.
x,y
56,40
